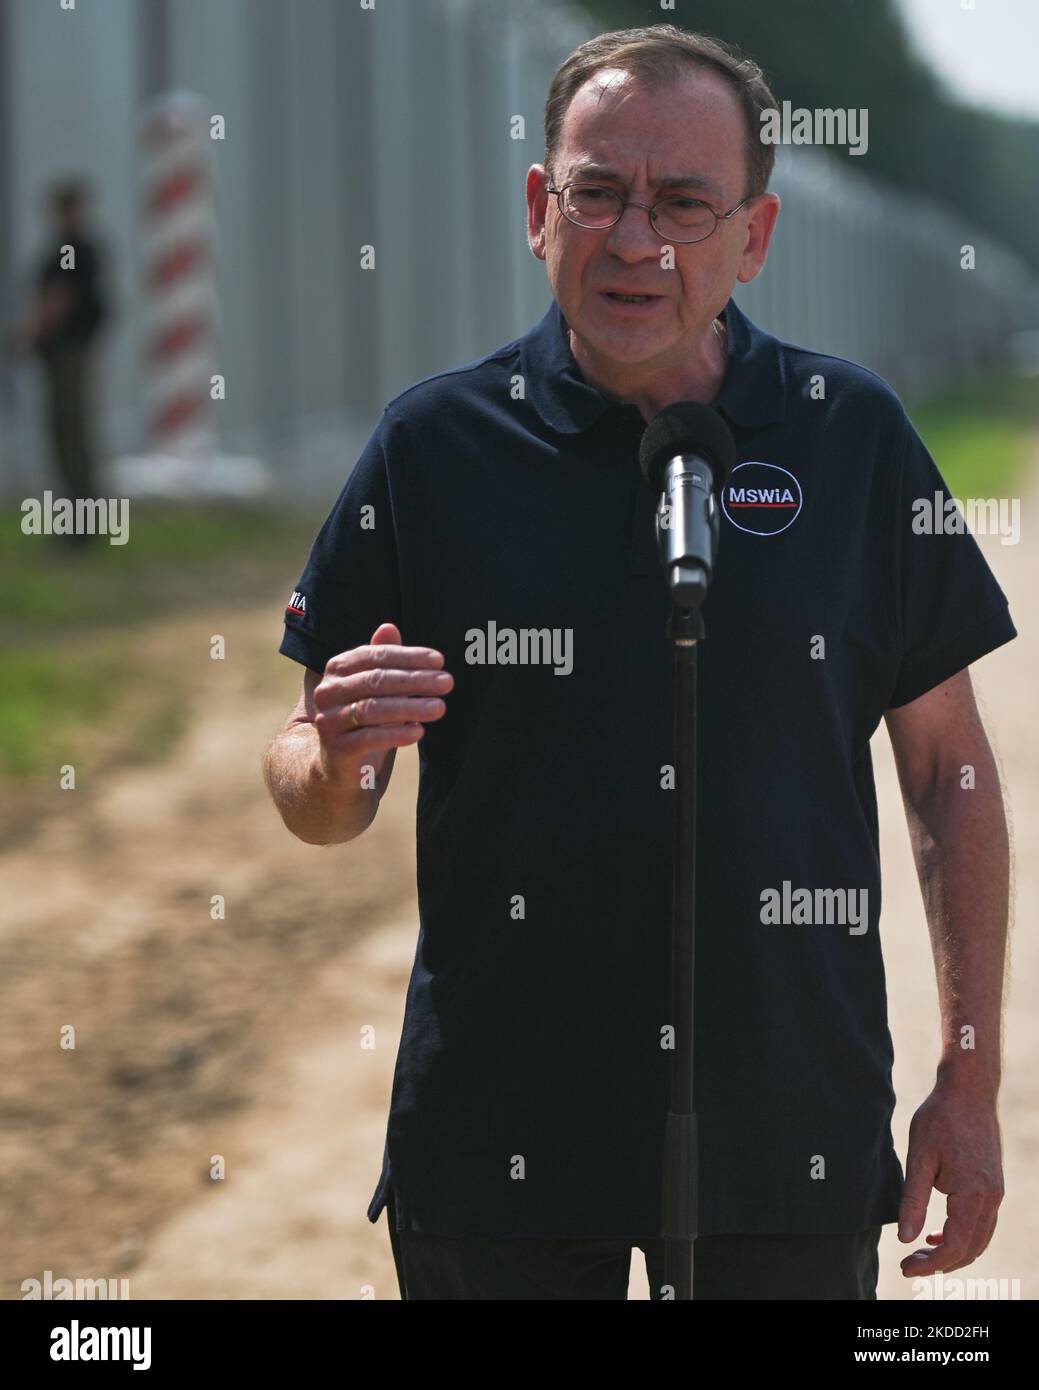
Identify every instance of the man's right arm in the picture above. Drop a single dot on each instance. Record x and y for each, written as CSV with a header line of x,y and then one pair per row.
x,y
316,808
345,731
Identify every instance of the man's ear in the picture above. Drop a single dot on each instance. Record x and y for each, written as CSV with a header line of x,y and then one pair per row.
x,y
537,209
760,225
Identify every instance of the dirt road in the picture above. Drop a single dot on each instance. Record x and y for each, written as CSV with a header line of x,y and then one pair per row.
x,y
241,1040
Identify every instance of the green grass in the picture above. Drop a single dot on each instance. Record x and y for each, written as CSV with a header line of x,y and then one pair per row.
x,y
53,705
982,439
72,685
173,553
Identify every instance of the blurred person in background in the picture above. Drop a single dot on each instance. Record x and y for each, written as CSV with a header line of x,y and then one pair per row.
x,y
69,306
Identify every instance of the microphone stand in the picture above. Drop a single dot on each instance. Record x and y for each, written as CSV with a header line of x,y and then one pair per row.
x,y
685,629
681,1176
687,451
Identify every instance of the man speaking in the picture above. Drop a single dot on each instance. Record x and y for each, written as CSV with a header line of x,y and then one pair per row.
x,y
488,583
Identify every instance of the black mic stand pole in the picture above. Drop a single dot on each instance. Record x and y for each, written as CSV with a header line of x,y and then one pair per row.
x,y
687,452
686,630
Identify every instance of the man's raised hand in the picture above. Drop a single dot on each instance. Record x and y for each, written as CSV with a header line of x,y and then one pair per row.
x,y
375,698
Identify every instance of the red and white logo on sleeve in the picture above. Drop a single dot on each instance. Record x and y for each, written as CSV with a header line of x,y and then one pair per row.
x,y
297,603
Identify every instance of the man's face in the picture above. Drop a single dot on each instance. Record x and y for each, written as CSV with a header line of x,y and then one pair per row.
x,y
694,128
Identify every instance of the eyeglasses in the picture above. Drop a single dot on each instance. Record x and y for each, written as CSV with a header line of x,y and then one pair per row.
x,y
684,220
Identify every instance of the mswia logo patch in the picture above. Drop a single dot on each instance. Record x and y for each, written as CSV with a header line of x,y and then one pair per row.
x,y
297,604
761,498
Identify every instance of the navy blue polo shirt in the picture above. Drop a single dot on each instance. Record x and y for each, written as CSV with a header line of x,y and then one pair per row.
x,y
498,514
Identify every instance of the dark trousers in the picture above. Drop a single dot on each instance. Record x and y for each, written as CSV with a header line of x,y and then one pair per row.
x,y
68,380
843,1266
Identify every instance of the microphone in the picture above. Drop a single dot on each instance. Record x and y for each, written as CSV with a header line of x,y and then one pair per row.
x,y
686,454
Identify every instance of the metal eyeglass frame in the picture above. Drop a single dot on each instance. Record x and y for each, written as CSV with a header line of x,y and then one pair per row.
x,y
651,208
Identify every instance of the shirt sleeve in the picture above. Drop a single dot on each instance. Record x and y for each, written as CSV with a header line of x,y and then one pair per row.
x,y
948,607
351,581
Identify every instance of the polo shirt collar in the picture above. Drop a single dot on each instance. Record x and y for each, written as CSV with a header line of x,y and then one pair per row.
x,y
752,392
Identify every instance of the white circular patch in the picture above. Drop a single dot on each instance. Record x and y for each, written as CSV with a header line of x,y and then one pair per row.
x,y
761,498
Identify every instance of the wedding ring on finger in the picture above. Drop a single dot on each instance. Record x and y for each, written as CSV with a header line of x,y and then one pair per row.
x,y
353,714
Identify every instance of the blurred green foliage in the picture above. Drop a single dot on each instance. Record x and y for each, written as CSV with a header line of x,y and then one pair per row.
x,y
985,437
856,53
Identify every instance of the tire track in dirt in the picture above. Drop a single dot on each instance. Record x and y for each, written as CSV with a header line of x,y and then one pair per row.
x,y
179,1019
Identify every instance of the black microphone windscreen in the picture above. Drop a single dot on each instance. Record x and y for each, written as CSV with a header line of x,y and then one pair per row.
x,y
687,427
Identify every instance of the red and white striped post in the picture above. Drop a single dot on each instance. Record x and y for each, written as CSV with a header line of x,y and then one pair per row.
x,y
180,298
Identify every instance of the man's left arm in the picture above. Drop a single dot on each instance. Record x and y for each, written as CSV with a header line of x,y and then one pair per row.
x,y
958,831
